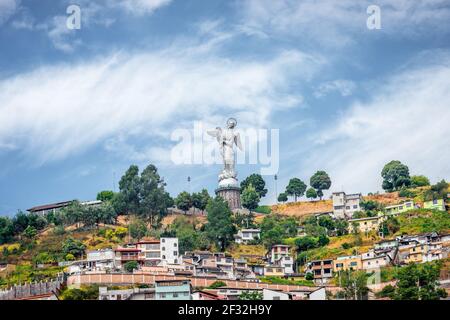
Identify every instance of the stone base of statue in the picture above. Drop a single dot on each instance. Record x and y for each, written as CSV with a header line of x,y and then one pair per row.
x,y
230,191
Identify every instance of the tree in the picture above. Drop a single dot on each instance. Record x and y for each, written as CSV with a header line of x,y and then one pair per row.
x,y
183,201
282,197
395,175
306,243
130,266
341,227
220,227
105,195
250,200
311,193
129,186
419,282
30,232
274,228
323,240
251,295
326,222
320,181
196,200
419,181
354,284
6,230
257,182
74,247
437,191
205,197
154,200
295,188
137,228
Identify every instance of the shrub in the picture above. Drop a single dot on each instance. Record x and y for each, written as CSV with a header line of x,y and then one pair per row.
x,y
131,265
217,284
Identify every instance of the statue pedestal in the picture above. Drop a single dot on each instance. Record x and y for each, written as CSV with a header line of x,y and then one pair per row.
x,y
231,194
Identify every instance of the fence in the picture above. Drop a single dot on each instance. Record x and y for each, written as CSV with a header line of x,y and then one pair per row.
x,y
29,290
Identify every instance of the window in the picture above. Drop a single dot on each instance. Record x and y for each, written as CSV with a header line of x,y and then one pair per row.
x,y
435,202
163,240
163,256
355,206
347,207
163,248
175,295
175,244
400,208
353,263
162,295
408,205
175,261
175,253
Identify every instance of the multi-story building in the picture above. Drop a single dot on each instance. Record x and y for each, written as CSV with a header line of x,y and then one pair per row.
x,y
347,263
173,290
372,260
344,205
247,235
280,256
150,252
124,255
169,251
321,269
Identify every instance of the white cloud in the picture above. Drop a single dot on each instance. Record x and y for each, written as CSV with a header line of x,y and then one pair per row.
x,y
140,7
406,120
335,23
344,87
7,9
61,110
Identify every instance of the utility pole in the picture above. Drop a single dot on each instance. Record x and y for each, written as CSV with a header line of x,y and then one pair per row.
x,y
275,177
189,184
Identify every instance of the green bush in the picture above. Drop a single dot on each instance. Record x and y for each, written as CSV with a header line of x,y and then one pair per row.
x,y
263,209
217,284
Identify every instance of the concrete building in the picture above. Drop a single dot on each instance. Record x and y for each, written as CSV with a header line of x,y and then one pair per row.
x,y
150,252
279,255
321,269
364,225
173,290
347,263
169,251
246,235
371,260
126,294
344,205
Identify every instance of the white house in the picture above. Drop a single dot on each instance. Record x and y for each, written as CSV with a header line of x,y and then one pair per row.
x,y
169,251
247,235
269,294
344,205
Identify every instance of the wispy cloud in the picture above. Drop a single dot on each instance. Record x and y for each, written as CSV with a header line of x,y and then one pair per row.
x,y
7,9
61,110
336,23
342,86
406,119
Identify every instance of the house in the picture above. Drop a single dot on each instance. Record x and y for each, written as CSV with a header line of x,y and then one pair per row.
x,y
399,208
173,289
344,205
269,294
96,261
364,225
347,263
318,294
204,295
126,294
257,268
301,232
279,255
126,254
321,269
436,204
150,252
273,271
225,264
386,244
309,293
242,270
373,260
247,235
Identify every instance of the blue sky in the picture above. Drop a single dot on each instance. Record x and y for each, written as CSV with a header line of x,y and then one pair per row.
x,y
77,107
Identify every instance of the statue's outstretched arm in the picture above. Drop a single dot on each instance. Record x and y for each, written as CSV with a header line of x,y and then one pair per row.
x,y
215,133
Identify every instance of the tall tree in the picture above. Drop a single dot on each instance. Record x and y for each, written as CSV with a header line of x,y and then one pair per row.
x,y
129,186
250,200
320,181
257,181
184,201
6,230
220,227
295,188
154,200
395,175
354,284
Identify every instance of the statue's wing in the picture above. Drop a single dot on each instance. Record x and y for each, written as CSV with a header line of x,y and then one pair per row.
x,y
215,133
237,140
